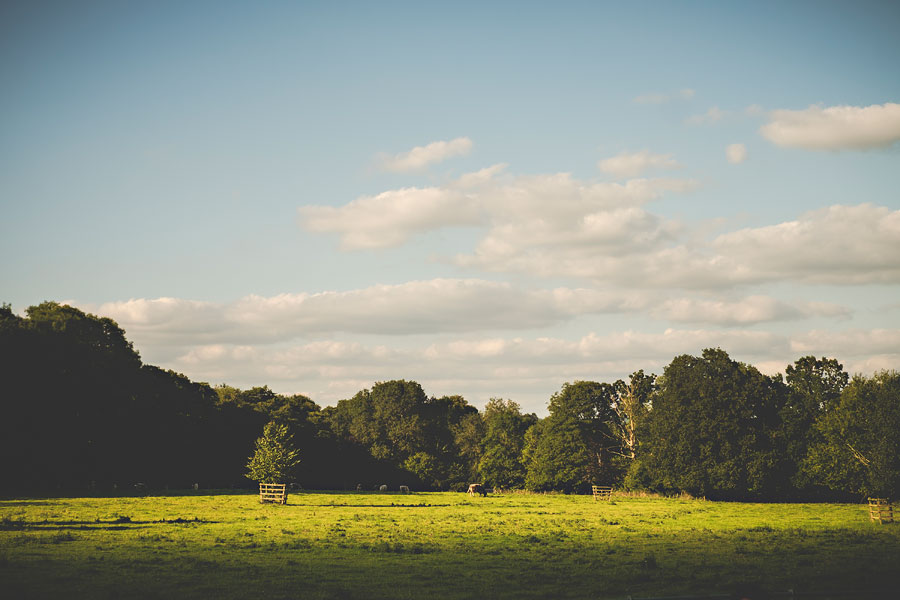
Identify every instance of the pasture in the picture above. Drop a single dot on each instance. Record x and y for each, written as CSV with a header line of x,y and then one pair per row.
x,y
442,545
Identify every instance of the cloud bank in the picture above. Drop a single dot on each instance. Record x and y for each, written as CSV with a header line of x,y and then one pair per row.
x,y
526,369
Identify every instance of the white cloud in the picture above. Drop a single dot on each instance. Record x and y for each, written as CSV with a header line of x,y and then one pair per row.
x,y
659,98
844,245
391,218
633,164
415,307
746,311
527,370
544,205
421,156
836,245
736,153
273,341
480,178
850,343
713,115
835,127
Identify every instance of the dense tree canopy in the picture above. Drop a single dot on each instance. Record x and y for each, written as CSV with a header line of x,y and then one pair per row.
x,y
858,446
80,410
505,426
712,430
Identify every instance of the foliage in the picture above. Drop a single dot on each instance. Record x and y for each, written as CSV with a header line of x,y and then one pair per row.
x,y
505,427
275,456
81,411
815,387
631,405
713,429
556,456
858,450
395,421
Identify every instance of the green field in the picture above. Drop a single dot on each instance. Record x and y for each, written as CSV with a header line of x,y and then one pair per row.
x,y
447,545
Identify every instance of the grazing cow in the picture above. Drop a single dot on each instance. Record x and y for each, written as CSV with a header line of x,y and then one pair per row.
x,y
382,488
404,489
477,488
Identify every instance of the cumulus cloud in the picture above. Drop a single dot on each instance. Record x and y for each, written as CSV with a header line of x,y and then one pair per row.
x,y
556,225
661,98
278,341
391,218
835,127
416,307
546,205
633,164
844,245
421,156
713,115
527,370
837,245
736,153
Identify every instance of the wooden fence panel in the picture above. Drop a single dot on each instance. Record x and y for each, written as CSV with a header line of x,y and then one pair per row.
x,y
880,510
602,492
273,492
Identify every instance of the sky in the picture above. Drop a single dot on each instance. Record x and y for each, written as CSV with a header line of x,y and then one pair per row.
x,y
489,198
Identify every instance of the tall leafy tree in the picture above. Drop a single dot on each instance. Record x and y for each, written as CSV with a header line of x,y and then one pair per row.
x,y
556,456
590,407
631,406
858,451
815,387
468,438
713,428
505,426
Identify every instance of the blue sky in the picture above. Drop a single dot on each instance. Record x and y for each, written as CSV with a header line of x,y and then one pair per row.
x,y
491,199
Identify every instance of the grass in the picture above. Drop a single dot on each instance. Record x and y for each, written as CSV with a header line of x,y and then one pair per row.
x,y
448,545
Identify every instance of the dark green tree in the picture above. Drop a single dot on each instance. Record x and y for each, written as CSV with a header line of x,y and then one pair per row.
x,y
500,464
401,427
468,438
584,408
556,456
815,387
713,430
858,450
275,457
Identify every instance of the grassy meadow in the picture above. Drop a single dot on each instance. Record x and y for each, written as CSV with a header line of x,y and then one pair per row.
x,y
447,545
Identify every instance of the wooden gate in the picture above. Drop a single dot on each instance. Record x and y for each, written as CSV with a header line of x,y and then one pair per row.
x,y
601,492
273,492
880,510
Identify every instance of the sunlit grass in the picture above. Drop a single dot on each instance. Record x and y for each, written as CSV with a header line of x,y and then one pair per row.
x,y
371,545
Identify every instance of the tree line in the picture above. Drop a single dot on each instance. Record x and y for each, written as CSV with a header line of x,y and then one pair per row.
x,y
79,410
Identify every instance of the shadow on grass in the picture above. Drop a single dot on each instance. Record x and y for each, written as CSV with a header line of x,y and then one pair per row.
x,y
119,524
368,505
